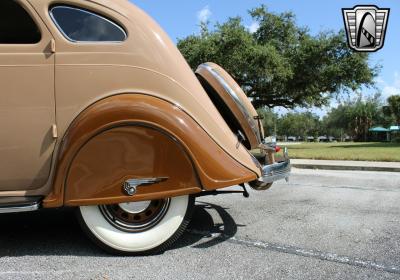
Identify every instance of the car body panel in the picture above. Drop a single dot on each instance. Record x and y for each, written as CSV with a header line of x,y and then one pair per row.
x,y
133,151
88,72
235,98
104,96
82,150
27,112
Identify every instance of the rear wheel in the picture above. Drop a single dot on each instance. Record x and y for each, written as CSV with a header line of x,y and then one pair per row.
x,y
137,227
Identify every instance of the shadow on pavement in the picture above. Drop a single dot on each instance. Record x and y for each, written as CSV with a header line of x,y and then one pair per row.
x,y
56,232
46,232
203,226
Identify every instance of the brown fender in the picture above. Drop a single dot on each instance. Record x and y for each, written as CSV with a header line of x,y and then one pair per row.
x,y
138,136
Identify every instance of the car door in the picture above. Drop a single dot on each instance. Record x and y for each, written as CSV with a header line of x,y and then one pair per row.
x,y
27,105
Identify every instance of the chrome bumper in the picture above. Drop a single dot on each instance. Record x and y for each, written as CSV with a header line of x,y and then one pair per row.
x,y
272,173
276,171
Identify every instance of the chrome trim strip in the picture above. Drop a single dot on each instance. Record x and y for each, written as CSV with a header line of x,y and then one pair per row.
x,y
235,98
18,209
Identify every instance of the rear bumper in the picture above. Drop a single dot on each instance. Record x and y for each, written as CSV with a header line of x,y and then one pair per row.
x,y
276,171
273,172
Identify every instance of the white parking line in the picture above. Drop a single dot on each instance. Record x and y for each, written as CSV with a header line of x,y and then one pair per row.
x,y
310,253
36,272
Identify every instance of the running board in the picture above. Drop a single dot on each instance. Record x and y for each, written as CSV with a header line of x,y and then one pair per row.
x,y
15,204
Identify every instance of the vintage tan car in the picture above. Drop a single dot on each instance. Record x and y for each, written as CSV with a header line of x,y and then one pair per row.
x,y
100,111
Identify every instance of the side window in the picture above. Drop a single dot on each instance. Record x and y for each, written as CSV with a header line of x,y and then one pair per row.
x,y
16,25
79,25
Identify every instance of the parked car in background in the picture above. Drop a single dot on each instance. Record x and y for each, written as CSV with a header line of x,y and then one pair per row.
x,y
326,139
270,139
323,139
100,111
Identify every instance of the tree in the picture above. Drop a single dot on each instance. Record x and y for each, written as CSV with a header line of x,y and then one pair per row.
x,y
281,64
299,124
356,117
269,121
394,107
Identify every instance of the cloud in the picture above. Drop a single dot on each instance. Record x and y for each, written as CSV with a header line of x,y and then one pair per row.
x,y
253,27
390,89
204,14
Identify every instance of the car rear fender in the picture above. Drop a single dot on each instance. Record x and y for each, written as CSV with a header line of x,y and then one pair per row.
x,y
134,136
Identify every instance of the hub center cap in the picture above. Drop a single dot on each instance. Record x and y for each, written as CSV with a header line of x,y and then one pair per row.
x,y
135,207
135,216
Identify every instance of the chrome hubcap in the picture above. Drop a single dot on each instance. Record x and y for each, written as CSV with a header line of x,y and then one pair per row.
x,y
135,216
135,207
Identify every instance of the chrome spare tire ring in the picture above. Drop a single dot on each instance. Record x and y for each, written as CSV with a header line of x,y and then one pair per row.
x,y
135,216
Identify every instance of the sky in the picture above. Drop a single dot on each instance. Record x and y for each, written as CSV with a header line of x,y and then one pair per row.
x,y
181,18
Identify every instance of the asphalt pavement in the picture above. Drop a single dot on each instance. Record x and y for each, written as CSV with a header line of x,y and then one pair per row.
x,y
321,225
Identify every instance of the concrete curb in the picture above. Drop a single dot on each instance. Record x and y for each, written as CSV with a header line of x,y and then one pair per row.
x,y
345,167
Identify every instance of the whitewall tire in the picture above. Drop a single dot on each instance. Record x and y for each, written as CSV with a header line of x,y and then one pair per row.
x,y
137,228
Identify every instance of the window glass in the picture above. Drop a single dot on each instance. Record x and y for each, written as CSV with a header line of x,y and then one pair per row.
x,y
79,25
16,25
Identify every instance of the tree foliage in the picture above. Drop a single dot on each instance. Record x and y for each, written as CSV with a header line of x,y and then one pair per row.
x,y
299,124
353,118
269,120
356,117
281,64
394,107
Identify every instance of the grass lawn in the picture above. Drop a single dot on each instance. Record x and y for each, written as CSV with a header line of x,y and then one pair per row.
x,y
346,151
